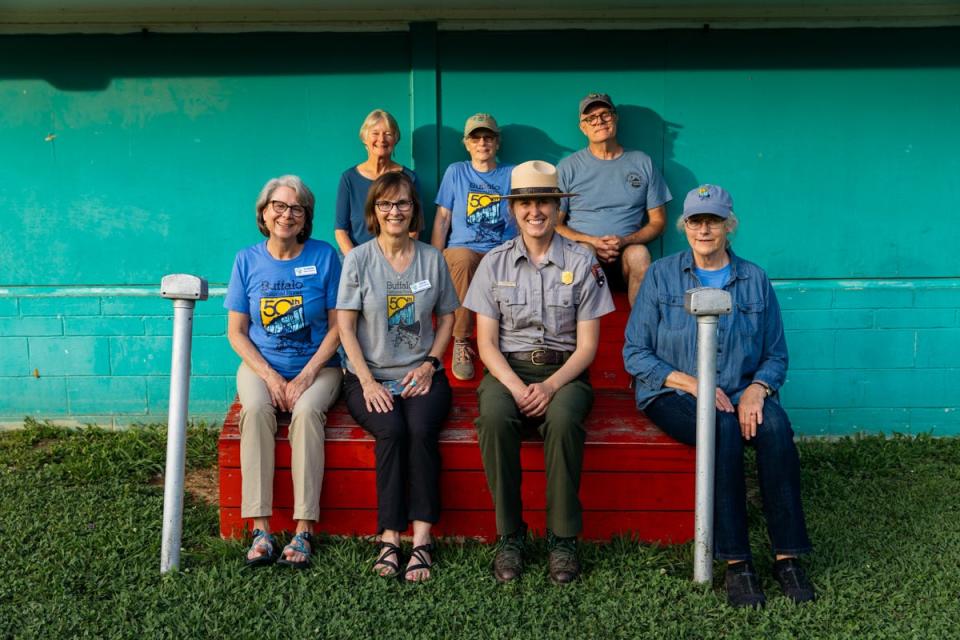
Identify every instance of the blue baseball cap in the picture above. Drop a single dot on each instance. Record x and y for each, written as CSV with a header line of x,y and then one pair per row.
x,y
708,198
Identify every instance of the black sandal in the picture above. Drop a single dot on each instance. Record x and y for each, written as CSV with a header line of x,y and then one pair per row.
x,y
419,554
386,550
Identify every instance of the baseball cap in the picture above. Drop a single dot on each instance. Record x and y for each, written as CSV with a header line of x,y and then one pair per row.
x,y
480,121
596,98
708,198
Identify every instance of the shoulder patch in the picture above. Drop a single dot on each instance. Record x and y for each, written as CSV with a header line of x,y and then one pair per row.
x,y
598,274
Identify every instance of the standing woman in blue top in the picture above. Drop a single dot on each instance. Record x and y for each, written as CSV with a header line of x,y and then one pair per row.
x,y
380,134
661,353
282,322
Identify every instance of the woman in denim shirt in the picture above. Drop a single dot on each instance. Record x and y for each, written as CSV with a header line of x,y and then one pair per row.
x,y
660,352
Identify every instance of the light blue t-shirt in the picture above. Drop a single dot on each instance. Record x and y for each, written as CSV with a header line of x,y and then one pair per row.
x,y
715,278
287,301
480,220
613,195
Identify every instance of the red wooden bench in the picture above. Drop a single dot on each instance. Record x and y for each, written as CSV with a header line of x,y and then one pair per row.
x,y
636,480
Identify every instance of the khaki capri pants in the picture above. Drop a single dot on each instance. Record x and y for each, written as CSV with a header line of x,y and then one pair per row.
x,y
258,427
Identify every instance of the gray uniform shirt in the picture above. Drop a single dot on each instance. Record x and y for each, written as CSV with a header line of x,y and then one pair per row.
x,y
395,325
539,306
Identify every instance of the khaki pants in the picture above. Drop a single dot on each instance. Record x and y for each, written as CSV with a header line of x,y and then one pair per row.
x,y
258,426
462,264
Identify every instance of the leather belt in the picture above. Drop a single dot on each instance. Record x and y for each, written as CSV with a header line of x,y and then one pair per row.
x,y
540,356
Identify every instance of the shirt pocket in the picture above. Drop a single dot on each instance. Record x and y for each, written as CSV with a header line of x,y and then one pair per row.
x,y
673,317
561,311
749,316
512,302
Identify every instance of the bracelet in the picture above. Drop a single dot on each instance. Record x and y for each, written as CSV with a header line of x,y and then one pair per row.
x,y
766,388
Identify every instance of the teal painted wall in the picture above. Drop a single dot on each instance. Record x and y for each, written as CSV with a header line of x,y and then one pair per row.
x,y
125,158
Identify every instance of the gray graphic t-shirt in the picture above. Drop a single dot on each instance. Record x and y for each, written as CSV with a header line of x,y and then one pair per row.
x,y
395,325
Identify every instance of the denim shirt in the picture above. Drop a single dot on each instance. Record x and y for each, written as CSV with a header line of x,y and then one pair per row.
x,y
661,336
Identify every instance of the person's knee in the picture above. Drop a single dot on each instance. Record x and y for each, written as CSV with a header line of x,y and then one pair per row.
x,y
458,259
565,430
636,259
776,429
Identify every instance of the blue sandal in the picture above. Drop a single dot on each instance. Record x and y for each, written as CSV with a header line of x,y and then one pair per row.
x,y
300,543
264,539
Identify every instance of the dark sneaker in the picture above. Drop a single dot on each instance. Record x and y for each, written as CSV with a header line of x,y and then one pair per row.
x,y
793,580
743,586
462,360
508,562
564,565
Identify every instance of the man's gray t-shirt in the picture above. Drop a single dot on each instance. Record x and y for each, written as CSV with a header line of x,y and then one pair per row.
x,y
395,324
613,195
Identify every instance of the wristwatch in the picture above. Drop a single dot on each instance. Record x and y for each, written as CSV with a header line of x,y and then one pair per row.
x,y
435,361
766,388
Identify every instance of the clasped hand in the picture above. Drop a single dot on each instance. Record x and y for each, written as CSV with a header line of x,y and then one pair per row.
x,y
416,382
533,399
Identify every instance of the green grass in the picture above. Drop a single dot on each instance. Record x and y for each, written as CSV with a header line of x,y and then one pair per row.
x,y
80,519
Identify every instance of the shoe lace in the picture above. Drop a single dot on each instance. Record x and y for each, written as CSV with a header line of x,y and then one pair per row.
x,y
566,547
462,352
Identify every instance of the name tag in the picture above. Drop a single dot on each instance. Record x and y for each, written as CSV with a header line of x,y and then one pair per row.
x,y
417,287
309,270
506,283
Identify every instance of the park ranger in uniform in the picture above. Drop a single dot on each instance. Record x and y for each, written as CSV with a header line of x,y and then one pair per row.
x,y
538,300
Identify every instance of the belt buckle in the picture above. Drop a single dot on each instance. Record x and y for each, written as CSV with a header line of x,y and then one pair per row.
x,y
535,353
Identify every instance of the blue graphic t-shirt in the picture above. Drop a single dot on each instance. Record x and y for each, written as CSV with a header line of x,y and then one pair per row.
x,y
480,218
287,301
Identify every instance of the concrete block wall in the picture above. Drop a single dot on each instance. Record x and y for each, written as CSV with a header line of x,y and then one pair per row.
x,y
105,359
871,356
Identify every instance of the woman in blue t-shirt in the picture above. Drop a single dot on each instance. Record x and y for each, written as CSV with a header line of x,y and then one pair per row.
x,y
380,135
283,325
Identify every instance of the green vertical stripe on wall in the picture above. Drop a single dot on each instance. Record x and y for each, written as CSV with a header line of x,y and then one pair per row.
x,y
424,90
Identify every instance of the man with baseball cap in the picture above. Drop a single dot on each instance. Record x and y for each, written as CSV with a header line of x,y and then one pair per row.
x,y
470,210
621,206
538,300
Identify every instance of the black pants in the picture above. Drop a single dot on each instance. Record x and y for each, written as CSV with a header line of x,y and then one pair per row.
x,y
407,452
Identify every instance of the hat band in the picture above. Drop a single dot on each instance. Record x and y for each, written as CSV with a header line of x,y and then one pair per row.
x,y
533,190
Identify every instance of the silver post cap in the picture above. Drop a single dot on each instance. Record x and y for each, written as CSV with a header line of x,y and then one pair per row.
x,y
183,286
707,301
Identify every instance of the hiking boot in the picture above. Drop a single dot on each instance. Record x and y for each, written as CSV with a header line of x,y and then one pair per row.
x,y
563,562
463,357
793,580
508,562
743,586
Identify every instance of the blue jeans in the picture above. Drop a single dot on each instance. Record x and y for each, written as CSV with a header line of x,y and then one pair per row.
x,y
778,471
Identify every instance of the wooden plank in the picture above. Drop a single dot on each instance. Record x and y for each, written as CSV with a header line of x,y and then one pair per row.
x,y
638,491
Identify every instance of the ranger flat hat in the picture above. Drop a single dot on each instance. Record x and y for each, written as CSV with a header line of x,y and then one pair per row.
x,y
535,179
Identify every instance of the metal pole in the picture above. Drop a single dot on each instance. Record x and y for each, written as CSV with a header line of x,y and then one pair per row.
x,y
706,304
185,290
706,447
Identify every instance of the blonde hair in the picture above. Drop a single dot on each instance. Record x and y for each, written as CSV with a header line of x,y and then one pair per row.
x,y
376,116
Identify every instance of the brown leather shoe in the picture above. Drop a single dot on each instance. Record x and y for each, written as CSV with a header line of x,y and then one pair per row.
x,y
508,562
564,565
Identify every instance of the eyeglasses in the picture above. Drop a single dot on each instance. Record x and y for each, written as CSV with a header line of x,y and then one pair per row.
x,y
386,206
698,222
485,137
281,208
597,118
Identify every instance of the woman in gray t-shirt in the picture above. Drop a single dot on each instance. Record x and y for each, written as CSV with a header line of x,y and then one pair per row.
x,y
390,290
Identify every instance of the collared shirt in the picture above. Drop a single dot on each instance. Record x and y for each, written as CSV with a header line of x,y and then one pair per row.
x,y
661,336
538,306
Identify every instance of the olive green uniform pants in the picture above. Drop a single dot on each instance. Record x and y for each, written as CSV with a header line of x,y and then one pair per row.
x,y
499,430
